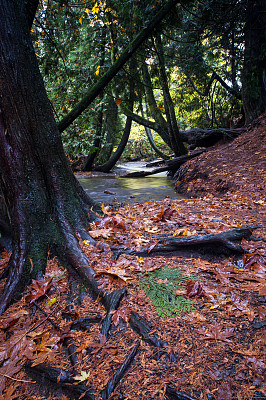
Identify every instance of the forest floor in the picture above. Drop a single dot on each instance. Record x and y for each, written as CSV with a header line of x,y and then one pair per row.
x,y
206,310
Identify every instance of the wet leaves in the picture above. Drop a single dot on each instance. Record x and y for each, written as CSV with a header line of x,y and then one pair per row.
x,y
38,289
217,332
213,352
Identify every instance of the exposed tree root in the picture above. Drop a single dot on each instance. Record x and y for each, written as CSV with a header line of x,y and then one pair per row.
x,y
112,301
172,394
143,329
61,378
84,324
114,381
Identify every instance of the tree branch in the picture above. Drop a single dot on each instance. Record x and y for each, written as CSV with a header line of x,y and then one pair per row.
x,y
94,91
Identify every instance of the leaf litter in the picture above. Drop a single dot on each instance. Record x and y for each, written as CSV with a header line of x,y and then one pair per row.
x,y
214,352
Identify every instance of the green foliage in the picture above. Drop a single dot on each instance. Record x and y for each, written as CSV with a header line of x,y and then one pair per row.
x,y
77,42
160,287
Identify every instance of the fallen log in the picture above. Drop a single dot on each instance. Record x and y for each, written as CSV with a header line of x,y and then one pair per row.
x,y
208,137
222,242
171,165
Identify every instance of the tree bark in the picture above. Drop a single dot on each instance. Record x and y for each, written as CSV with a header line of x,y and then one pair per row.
x,y
254,68
172,127
45,203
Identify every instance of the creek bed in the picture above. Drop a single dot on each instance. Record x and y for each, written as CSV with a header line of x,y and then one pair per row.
x,y
115,190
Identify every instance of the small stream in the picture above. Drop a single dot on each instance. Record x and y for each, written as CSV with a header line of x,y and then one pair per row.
x,y
115,190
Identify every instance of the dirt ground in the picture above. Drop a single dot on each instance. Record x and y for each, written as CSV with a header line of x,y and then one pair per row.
x,y
211,349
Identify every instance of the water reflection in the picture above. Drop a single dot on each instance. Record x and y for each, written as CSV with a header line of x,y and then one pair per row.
x,y
128,190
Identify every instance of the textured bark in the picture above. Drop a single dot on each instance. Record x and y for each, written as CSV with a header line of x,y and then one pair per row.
x,y
254,68
45,203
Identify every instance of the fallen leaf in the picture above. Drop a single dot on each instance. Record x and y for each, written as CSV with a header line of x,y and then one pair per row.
x,y
121,313
38,289
82,377
216,332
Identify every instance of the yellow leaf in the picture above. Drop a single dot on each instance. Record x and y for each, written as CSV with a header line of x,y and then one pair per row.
x,y
51,302
185,232
82,377
81,20
140,259
95,9
98,70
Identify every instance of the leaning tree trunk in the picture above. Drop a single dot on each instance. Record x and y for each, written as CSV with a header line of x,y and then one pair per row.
x,y
173,130
45,203
254,68
106,167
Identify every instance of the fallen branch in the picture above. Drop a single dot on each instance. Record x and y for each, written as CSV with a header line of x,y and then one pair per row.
x,y
171,165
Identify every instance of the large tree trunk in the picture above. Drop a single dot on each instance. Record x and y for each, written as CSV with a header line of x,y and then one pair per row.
x,y
254,68
45,203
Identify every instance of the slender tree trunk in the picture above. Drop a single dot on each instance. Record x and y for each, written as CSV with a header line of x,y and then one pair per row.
x,y
111,129
45,203
254,68
150,138
172,127
153,108
123,142
97,141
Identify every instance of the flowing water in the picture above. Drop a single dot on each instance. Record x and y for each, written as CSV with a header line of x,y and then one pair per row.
x,y
115,190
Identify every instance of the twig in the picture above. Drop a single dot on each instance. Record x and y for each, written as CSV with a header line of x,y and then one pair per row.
x,y
17,380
